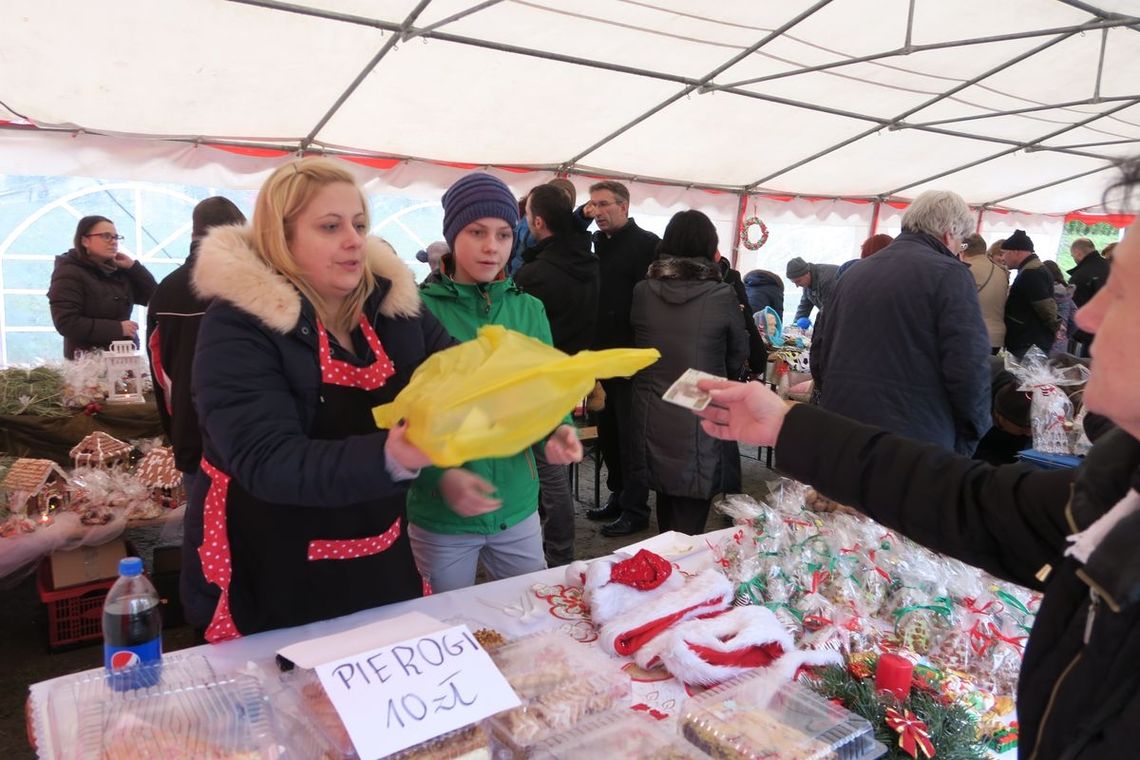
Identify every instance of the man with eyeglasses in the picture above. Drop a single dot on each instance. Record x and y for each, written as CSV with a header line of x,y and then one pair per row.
x,y
94,288
624,252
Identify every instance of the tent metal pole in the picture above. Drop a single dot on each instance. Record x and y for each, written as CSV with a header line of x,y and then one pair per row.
x,y
741,208
1054,183
774,34
940,97
1085,27
1016,111
909,27
875,218
413,32
368,68
1018,143
1098,144
978,226
1092,10
1008,151
1100,64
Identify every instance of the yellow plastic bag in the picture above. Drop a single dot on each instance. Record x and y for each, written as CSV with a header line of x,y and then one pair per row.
x,y
499,393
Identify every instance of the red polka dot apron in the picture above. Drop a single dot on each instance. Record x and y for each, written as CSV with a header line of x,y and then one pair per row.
x,y
281,565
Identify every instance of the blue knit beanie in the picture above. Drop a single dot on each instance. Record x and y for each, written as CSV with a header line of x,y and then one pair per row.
x,y
475,196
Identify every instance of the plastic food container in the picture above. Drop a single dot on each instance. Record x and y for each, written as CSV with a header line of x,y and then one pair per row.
x,y
757,717
307,703
560,682
622,733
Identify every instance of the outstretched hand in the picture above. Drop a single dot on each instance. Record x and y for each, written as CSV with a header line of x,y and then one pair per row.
x,y
563,447
745,412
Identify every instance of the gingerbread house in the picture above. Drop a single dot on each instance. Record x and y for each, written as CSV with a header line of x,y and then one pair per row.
x,y
102,451
158,473
32,483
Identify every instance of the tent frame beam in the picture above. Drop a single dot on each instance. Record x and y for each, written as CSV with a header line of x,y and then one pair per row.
x,y
1017,111
1104,23
1048,185
936,99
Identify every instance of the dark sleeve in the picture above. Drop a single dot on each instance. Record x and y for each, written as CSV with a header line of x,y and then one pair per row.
x,y
757,354
1007,520
582,221
159,384
66,297
530,278
738,342
249,413
805,307
964,353
142,283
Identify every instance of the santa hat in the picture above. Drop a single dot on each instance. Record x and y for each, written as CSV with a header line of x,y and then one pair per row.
x,y
613,586
703,595
711,650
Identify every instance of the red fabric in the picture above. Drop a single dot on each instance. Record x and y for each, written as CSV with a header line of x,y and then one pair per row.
x,y
1116,220
215,553
630,641
354,547
643,571
160,375
336,372
427,586
756,656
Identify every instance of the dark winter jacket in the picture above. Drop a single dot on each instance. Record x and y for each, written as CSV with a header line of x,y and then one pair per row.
x,y
764,288
757,353
1078,696
1030,311
257,383
690,316
89,303
172,321
818,294
1088,277
903,346
623,259
563,274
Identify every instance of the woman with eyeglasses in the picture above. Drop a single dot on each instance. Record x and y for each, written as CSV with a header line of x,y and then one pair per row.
x,y
94,289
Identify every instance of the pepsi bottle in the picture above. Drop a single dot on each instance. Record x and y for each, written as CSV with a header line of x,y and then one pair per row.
x,y
132,630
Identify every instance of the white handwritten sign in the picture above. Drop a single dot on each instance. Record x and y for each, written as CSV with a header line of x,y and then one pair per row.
x,y
401,695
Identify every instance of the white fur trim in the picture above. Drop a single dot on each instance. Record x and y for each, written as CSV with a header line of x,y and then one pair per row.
x,y
707,593
229,267
608,600
739,628
576,573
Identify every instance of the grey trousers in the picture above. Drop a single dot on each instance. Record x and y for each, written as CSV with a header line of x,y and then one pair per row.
x,y
448,561
556,508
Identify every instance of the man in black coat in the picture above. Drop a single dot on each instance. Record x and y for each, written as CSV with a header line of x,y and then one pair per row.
x,y
902,344
1069,534
625,252
1030,311
173,319
562,273
1088,276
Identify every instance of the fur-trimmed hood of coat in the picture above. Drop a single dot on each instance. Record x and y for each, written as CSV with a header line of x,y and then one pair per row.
x,y
679,268
228,267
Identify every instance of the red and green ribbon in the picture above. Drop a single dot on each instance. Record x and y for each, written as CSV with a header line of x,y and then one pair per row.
x,y
914,736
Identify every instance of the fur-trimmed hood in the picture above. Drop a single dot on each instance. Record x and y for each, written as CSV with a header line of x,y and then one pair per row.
x,y
683,268
228,267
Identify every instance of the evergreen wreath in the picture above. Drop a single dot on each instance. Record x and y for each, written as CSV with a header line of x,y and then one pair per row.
x,y
953,730
746,239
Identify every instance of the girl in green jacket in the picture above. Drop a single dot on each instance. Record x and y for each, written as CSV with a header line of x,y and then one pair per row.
x,y
493,512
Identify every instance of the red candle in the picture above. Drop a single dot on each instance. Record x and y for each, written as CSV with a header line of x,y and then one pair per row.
x,y
894,674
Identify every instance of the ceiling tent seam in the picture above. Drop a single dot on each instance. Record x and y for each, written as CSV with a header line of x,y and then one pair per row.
x,y
1027,146
774,34
953,90
1054,183
1017,111
388,45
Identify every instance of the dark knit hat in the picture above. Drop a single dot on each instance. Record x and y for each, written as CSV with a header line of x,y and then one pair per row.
x,y
1018,241
797,267
475,196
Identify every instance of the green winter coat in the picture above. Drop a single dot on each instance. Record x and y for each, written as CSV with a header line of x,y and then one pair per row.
x,y
463,309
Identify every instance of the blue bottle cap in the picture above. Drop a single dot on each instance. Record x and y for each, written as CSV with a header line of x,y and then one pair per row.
x,y
130,566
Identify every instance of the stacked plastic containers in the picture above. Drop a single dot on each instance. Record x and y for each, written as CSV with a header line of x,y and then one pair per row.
x,y
621,734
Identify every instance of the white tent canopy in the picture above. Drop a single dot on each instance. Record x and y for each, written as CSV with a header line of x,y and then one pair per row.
x,y
1018,104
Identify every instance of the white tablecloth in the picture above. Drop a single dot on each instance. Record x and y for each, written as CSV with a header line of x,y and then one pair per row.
x,y
544,596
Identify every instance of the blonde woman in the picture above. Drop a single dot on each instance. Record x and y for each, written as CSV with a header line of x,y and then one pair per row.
x,y
301,513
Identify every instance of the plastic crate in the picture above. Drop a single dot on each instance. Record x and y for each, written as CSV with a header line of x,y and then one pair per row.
x,y
75,613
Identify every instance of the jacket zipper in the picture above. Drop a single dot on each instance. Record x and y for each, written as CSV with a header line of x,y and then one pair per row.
x,y
531,463
1094,603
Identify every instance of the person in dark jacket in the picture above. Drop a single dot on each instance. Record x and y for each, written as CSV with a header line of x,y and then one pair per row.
x,y
757,353
562,272
1030,310
300,513
686,312
1070,534
764,288
818,283
172,322
94,288
1087,277
624,252
902,344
